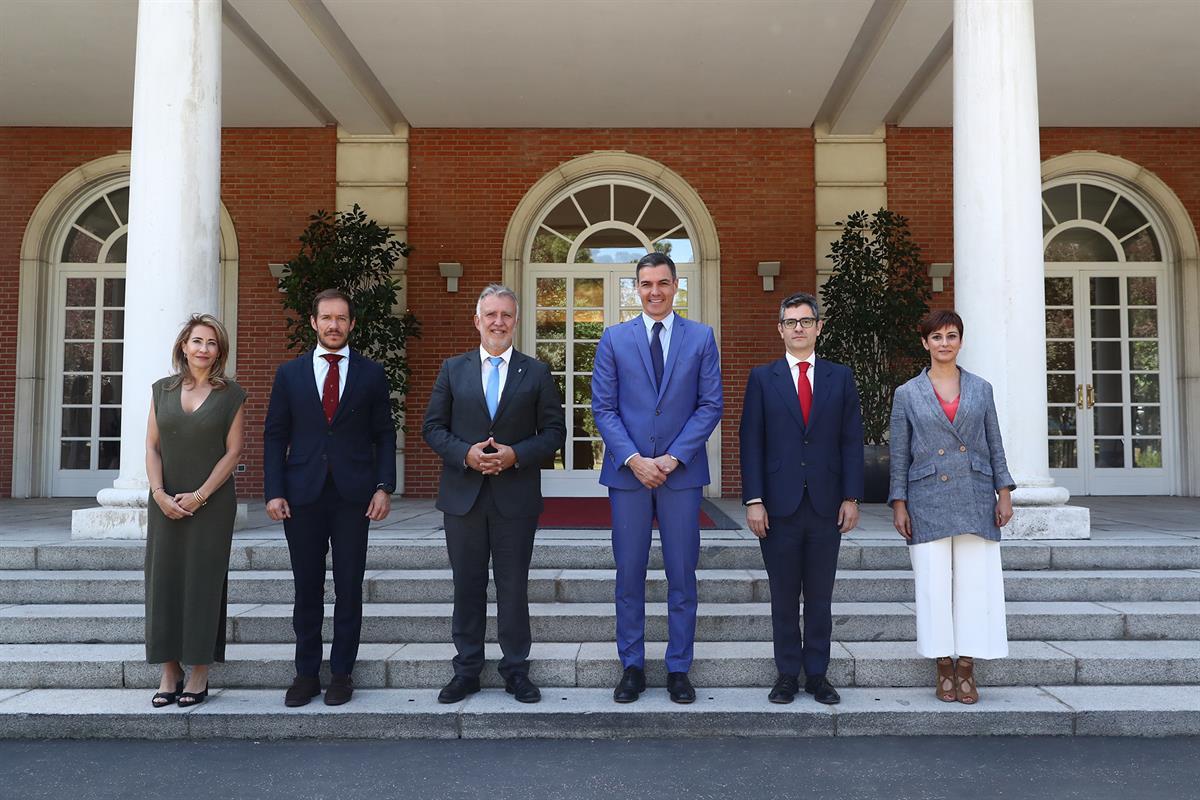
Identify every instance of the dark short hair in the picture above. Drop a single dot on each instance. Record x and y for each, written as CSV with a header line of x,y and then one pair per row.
x,y
936,320
655,259
800,299
332,294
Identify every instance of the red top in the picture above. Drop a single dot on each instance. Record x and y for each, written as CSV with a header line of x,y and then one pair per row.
x,y
951,407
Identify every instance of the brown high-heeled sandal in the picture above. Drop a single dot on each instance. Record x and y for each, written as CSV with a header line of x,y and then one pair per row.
x,y
967,690
945,680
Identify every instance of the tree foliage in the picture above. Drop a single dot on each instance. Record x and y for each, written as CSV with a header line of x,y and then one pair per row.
x,y
873,301
350,252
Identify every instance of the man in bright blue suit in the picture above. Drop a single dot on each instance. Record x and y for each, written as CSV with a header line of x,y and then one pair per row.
x,y
656,397
802,477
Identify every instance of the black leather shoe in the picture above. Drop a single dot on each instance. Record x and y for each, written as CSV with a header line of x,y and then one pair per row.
x,y
303,689
680,688
339,691
822,690
458,688
632,684
520,687
785,689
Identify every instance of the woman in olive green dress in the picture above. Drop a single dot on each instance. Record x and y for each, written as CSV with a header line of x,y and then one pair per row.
x,y
193,442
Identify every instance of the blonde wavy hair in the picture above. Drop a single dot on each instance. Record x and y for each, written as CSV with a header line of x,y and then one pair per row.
x,y
216,374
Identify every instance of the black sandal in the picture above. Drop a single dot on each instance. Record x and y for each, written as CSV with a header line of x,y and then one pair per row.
x,y
164,699
189,699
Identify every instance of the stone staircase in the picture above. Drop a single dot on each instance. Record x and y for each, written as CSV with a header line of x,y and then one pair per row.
x,y
1105,640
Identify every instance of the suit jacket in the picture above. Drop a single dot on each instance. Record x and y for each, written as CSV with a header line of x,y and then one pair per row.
x,y
948,472
783,458
300,448
677,418
529,419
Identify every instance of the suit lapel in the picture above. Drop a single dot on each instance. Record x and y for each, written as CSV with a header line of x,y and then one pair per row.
x,y
781,378
470,377
637,329
353,379
678,333
517,368
933,404
821,387
308,383
966,392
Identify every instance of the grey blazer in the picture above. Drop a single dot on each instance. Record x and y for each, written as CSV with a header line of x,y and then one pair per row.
x,y
948,473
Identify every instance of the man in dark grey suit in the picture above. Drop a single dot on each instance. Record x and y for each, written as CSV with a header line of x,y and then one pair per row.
x,y
495,417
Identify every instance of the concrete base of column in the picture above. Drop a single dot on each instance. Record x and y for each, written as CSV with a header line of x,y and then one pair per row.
x,y
122,515
1049,522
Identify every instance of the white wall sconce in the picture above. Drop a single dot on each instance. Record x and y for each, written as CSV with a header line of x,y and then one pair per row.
x,y
277,272
451,271
768,271
936,273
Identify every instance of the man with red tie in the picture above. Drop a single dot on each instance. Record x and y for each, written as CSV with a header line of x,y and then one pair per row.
x,y
802,478
329,464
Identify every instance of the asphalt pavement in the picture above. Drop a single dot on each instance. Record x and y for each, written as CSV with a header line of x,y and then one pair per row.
x,y
967,768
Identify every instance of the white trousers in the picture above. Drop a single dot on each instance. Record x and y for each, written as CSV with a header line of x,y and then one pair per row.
x,y
960,598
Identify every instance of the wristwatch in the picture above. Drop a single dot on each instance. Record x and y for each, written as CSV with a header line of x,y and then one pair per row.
x,y
850,500
387,487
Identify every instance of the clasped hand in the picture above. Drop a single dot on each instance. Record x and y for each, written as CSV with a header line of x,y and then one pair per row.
x,y
501,458
652,472
180,506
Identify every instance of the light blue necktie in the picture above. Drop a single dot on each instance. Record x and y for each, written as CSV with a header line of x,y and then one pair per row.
x,y
492,394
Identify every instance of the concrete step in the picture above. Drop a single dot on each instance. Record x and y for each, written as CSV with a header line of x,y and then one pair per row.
x,y
595,665
594,622
591,713
597,586
593,553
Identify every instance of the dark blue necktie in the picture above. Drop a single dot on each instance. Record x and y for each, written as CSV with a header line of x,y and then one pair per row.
x,y
656,353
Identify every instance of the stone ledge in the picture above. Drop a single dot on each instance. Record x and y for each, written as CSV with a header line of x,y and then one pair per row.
x,y
591,713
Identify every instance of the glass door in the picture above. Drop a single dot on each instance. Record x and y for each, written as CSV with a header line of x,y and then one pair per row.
x,y
86,413
571,312
1109,384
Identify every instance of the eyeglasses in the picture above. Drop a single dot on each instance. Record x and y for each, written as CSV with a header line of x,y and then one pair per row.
x,y
803,322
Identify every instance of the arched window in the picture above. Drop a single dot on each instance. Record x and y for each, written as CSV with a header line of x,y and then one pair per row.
x,y
1109,372
579,274
610,222
1092,222
90,320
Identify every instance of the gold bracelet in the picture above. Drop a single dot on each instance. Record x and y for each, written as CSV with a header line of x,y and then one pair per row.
x,y
155,490
199,498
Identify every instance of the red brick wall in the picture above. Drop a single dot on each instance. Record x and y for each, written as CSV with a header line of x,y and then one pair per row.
x,y
921,174
464,185
271,180
920,180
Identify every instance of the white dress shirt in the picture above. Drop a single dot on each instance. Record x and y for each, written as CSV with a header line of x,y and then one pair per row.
x,y
321,368
793,363
485,369
665,337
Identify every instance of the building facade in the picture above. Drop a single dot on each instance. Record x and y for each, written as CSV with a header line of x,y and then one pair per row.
x,y
556,191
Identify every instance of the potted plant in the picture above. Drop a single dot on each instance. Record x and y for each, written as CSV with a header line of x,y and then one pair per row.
x,y
350,252
873,301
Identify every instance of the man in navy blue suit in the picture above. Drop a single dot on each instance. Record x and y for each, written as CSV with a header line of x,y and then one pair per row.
x,y
656,397
329,463
802,478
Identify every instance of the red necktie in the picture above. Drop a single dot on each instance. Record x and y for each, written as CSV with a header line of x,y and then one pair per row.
x,y
329,392
804,391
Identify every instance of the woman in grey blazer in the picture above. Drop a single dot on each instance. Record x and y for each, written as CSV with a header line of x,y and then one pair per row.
x,y
950,495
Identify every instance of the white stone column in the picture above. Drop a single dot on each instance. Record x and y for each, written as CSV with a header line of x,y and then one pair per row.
x,y
998,261
174,227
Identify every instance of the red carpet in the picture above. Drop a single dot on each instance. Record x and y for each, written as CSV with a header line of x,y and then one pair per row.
x,y
588,513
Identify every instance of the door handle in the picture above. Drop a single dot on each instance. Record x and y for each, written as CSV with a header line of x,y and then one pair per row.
x,y
1079,395
1091,396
